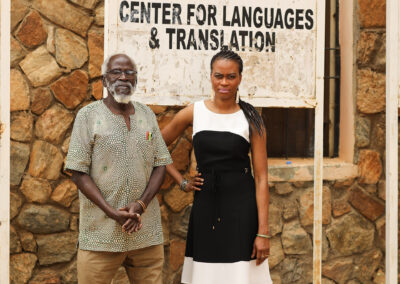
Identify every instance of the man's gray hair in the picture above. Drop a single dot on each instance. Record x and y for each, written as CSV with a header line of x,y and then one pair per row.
x,y
104,66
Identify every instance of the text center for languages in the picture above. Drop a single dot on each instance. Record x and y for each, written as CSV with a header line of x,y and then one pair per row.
x,y
207,25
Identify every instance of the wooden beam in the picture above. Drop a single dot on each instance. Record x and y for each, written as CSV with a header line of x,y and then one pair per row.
x,y
4,140
392,102
318,143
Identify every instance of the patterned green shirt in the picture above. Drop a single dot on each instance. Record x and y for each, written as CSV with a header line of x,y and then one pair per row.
x,y
120,162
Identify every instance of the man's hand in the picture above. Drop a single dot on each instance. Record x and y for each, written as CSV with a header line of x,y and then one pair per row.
x,y
122,216
132,224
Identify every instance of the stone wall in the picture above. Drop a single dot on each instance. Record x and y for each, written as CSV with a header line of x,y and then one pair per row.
x,y
56,54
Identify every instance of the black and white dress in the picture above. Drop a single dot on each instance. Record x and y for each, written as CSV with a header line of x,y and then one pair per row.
x,y
223,222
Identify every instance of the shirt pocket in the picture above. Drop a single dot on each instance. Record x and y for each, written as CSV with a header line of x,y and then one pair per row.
x,y
145,142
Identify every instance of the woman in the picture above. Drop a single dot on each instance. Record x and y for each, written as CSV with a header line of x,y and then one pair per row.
x,y
228,236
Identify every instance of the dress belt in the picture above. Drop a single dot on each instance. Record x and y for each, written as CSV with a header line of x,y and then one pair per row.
x,y
214,179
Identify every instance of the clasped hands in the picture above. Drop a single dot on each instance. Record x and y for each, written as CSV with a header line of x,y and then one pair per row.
x,y
129,217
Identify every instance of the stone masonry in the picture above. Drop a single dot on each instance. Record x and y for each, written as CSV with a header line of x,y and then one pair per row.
x,y
56,54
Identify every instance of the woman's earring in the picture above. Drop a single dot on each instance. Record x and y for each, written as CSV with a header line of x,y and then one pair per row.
x,y
212,94
237,96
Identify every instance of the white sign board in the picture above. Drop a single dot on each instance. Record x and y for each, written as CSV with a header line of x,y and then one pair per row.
x,y
172,43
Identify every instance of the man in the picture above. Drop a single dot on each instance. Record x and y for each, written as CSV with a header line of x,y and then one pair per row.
x,y
117,158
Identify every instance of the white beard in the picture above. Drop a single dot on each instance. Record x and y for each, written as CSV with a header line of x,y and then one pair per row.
x,y
120,98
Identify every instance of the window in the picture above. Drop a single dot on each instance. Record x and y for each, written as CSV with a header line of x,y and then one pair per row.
x,y
290,130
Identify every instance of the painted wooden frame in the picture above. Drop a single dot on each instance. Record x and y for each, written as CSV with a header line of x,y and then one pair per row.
x,y
4,140
392,104
318,144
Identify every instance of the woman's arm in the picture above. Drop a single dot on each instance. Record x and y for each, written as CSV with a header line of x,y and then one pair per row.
x,y
260,168
175,128
178,124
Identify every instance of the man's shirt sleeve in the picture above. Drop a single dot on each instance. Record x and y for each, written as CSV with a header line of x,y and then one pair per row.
x,y
80,146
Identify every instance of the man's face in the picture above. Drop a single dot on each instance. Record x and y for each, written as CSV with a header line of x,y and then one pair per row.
x,y
120,79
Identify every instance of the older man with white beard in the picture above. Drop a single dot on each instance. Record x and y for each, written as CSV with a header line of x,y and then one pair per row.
x,y
117,158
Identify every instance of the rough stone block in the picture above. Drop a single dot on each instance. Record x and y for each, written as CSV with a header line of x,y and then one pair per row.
x,y
297,270
275,218
35,190
41,100
180,223
378,133
306,207
65,144
382,189
19,8
74,208
17,51
21,128
32,31
283,188
350,234
96,52
65,193
372,13
276,252
290,210
370,91
46,161
366,204
379,277
21,267
19,91
97,89
99,18
53,123
40,67
363,127
28,241
369,166
15,244
367,264
295,239
177,200
338,269
88,4
64,14
19,156
180,155
340,207
43,219
367,46
56,248
15,204
71,90
46,276
71,50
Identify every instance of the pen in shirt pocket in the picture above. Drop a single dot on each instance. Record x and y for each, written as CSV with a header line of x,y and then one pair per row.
x,y
149,135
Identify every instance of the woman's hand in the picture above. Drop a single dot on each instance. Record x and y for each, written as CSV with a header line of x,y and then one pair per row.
x,y
260,250
194,183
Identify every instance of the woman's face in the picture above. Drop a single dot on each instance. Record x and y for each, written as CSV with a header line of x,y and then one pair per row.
x,y
225,78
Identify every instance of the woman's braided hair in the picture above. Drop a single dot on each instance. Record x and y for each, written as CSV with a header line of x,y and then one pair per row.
x,y
251,114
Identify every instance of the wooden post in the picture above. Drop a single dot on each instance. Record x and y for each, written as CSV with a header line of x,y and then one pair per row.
x,y
4,140
318,144
392,89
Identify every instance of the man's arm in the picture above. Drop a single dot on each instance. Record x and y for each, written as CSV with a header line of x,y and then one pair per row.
x,y
88,187
152,188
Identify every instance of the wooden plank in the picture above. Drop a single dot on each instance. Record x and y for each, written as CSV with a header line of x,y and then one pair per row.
x,y
4,140
318,143
392,88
